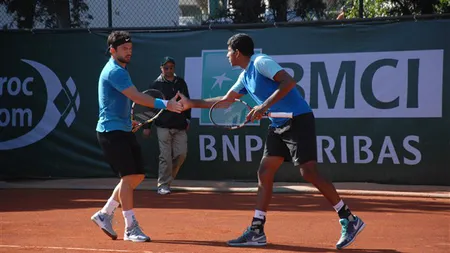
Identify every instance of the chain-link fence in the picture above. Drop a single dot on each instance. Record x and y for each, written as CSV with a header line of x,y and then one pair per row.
x,y
35,14
29,14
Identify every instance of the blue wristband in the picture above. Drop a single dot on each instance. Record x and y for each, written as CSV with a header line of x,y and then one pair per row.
x,y
159,103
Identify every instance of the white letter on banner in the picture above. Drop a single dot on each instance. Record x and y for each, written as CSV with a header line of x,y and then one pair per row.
x,y
226,144
343,149
210,147
7,117
249,148
388,151
412,150
327,149
365,148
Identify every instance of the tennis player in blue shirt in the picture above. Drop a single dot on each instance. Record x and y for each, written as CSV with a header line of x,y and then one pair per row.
x,y
293,140
119,144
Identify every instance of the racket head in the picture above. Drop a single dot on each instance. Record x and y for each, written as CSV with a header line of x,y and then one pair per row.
x,y
229,114
143,114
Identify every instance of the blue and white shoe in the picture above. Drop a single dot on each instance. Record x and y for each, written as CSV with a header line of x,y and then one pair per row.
x,y
135,233
104,221
350,229
249,238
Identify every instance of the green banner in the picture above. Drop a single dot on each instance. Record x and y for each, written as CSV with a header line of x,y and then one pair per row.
x,y
378,92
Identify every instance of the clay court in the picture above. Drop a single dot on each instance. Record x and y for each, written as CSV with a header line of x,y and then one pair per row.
x,y
59,221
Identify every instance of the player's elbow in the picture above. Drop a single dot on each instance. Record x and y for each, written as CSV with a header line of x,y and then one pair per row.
x,y
292,85
288,85
285,80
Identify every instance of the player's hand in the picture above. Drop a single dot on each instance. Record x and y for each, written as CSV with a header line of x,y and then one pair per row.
x,y
256,113
134,123
186,102
173,105
146,132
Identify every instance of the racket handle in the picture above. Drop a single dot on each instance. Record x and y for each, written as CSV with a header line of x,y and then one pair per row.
x,y
280,114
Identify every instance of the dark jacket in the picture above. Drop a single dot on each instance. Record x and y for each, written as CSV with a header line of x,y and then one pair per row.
x,y
169,119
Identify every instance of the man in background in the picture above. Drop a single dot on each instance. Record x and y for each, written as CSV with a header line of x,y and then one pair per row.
x,y
342,13
171,127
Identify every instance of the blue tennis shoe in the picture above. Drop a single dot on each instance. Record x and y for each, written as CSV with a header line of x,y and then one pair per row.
x,y
249,238
350,229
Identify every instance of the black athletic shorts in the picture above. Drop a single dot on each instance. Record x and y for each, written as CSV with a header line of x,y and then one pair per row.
x,y
122,152
295,140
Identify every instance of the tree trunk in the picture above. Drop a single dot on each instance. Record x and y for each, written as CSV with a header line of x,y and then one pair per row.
x,y
426,6
279,8
25,11
61,10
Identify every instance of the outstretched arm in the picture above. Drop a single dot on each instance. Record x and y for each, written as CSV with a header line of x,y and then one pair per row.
x,y
198,103
120,80
208,102
237,91
143,99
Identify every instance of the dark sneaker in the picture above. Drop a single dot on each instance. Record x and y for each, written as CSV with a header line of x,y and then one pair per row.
x,y
249,238
350,229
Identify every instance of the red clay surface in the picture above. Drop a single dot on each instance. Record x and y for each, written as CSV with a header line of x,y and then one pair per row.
x,y
59,221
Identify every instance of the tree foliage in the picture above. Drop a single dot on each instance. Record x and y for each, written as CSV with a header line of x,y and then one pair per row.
x,y
52,14
310,9
247,11
385,8
279,9
442,7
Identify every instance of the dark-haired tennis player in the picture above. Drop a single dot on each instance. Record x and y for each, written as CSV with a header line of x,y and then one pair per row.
x,y
119,144
294,140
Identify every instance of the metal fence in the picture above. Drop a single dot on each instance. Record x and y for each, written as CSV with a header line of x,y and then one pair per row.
x,y
39,14
94,14
35,14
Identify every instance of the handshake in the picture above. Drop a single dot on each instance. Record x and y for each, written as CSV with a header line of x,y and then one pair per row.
x,y
179,103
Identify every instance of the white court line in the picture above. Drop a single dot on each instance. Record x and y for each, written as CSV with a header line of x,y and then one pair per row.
x,y
76,249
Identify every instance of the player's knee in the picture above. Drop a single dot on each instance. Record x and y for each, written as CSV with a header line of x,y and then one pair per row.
x,y
133,180
309,171
264,174
138,179
182,156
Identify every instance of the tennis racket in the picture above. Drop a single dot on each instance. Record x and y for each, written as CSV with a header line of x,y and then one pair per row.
x,y
143,114
233,114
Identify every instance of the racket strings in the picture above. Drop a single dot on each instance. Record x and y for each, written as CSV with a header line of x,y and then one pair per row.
x,y
144,116
142,113
229,114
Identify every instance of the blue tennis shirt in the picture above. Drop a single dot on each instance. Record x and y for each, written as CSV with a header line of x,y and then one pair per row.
x,y
114,106
257,81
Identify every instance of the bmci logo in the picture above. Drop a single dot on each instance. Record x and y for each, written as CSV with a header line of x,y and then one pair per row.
x,y
397,84
23,117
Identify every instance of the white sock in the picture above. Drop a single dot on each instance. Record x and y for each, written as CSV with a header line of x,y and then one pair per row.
x,y
338,206
110,206
260,214
129,217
